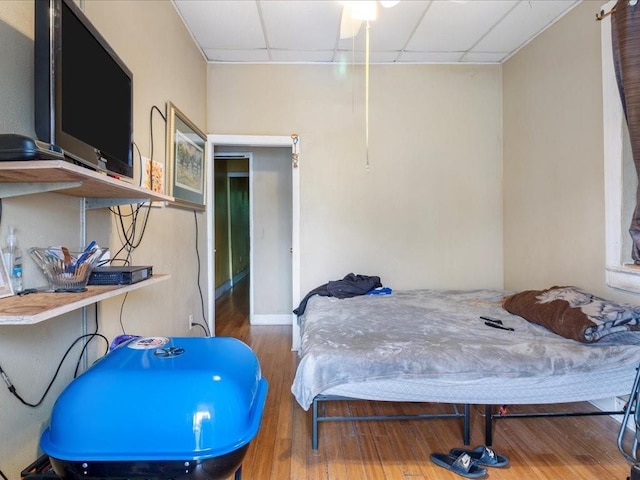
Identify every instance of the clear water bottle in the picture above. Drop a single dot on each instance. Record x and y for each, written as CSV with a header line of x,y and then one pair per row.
x,y
13,260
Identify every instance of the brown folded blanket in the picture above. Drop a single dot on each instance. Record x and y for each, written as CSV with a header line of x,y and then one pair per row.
x,y
573,313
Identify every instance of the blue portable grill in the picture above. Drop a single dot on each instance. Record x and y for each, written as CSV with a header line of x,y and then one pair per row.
x,y
159,408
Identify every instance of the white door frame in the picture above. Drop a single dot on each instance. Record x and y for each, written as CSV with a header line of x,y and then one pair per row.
x,y
255,141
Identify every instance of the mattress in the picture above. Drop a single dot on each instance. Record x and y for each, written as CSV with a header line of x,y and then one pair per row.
x,y
432,346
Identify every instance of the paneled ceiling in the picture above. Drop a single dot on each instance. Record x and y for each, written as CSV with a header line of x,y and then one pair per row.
x,y
413,31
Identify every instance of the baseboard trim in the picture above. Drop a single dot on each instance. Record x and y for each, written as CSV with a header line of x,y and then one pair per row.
x,y
225,287
240,275
271,319
228,285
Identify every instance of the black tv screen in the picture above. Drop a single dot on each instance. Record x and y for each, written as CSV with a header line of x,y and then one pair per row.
x,y
83,97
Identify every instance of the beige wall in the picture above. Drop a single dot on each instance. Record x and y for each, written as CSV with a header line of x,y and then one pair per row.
x,y
153,42
553,159
428,213
272,228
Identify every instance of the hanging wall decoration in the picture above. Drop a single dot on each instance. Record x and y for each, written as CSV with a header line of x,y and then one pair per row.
x,y
186,147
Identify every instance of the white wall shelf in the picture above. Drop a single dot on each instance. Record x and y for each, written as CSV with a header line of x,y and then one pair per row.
x,y
38,307
98,189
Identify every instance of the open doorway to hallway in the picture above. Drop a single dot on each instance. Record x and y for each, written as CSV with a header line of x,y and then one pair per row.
x,y
232,221
253,229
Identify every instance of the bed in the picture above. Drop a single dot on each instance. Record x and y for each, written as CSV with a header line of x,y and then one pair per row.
x,y
433,346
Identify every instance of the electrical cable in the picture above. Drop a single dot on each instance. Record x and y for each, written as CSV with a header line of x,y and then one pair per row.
x,y
139,161
153,108
3,475
86,345
12,388
130,236
130,233
121,310
204,327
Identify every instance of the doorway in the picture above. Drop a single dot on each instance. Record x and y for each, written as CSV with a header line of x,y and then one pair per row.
x,y
262,304
232,220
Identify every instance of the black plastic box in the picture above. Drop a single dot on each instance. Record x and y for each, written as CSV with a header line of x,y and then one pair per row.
x,y
19,147
39,470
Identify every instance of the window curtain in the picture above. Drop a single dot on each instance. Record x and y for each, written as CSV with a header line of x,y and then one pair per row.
x,y
625,37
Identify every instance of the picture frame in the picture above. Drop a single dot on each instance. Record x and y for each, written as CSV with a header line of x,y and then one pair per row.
x,y
6,288
187,154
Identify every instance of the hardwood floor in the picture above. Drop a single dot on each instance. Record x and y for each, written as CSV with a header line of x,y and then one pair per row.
x,y
538,448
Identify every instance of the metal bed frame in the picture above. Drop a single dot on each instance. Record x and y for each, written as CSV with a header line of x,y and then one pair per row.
x,y
631,408
319,414
631,454
489,417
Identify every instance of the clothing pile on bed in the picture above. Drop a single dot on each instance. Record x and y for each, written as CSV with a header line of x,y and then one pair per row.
x,y
349,286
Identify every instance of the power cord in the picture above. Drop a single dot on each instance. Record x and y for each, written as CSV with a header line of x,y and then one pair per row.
x,y
90,336
131,237
84,348
12,388
204,326
129,234
121,309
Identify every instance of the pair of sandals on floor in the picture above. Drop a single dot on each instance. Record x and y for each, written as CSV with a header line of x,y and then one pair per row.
x,y
470,463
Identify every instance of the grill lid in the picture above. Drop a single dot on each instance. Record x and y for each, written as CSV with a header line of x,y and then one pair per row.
x,y
159,398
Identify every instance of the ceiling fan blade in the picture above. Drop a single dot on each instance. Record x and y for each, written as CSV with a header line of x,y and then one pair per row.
x,y
349,26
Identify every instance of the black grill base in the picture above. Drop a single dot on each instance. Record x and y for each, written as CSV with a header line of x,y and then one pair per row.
x,y
215,468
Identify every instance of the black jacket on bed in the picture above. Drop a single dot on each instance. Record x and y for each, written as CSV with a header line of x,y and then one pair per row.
x,y
350,286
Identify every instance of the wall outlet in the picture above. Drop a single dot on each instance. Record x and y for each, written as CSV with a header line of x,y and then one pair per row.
x,y
190,322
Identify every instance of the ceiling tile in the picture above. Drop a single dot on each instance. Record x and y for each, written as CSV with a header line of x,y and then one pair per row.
x,y
392,28
455,26
413,31
523,23
223,23
303,24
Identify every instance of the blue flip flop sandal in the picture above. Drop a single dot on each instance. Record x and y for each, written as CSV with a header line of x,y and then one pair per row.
x,y
462,464
483,456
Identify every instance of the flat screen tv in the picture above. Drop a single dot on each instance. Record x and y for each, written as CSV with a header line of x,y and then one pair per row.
x,y
83,90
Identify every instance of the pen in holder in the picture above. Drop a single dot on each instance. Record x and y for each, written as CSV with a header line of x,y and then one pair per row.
x,y
65,270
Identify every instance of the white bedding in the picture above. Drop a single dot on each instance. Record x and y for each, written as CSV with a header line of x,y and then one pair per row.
x,y
431,346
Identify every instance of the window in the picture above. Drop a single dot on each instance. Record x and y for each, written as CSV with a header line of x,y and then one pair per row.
x,y
619,175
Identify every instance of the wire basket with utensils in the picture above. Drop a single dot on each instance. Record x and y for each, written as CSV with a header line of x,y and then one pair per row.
x,y
67,270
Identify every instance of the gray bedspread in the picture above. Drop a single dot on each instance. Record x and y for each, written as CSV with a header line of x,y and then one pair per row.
x,y
426,334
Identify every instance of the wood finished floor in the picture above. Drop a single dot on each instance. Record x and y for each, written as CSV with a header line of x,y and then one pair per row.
x,y
549,448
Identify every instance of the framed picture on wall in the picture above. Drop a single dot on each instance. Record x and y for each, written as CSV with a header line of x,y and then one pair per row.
x,y
187,149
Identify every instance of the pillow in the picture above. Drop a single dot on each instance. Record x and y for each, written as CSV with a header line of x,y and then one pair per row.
x,y
573,313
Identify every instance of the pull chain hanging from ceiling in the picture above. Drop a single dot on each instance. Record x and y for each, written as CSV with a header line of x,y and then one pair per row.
x,y
366,96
